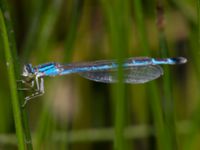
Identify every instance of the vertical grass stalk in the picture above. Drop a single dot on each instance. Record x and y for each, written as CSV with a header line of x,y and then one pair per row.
x,y
152,88
117,16
48,21
195,44
32,33
169,115
73,28
12,83
77,6
20,115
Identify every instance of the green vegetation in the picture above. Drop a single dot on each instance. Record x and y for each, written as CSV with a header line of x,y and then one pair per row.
x,y
75,113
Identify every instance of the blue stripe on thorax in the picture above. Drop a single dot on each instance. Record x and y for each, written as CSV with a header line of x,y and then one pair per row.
x,y
48,69
44,67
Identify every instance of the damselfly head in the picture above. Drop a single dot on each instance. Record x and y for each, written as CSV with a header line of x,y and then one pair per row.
x,y
28,71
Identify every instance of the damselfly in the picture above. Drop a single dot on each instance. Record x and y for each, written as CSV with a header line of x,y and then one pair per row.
x,y
135,70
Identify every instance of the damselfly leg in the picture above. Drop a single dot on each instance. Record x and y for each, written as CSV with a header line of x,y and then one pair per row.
x,y
36,86
27,85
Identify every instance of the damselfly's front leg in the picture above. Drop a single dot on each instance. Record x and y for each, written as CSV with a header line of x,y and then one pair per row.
x,y
28,85
38,91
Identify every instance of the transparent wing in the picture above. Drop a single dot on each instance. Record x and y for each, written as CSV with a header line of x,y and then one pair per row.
x,y
136,74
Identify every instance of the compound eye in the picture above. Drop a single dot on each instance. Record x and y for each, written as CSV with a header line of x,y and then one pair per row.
x,y
29,68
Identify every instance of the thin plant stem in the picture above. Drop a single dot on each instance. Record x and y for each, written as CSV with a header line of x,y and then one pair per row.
x,y
118,22
168,108
31,35
12,83
20,115
152,87
73,28
195,43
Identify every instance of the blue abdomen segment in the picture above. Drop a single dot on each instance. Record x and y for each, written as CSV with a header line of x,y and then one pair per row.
x,y
53,69
77,68
145,61
169,61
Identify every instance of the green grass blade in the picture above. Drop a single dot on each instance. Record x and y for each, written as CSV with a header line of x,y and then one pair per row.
x,y
139,17
117,16
168,109
13,86
152,88
195,43
75,16
22,126
73,28
48,22
32,33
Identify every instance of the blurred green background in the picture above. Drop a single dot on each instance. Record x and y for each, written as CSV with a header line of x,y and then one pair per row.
x,y
75,113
